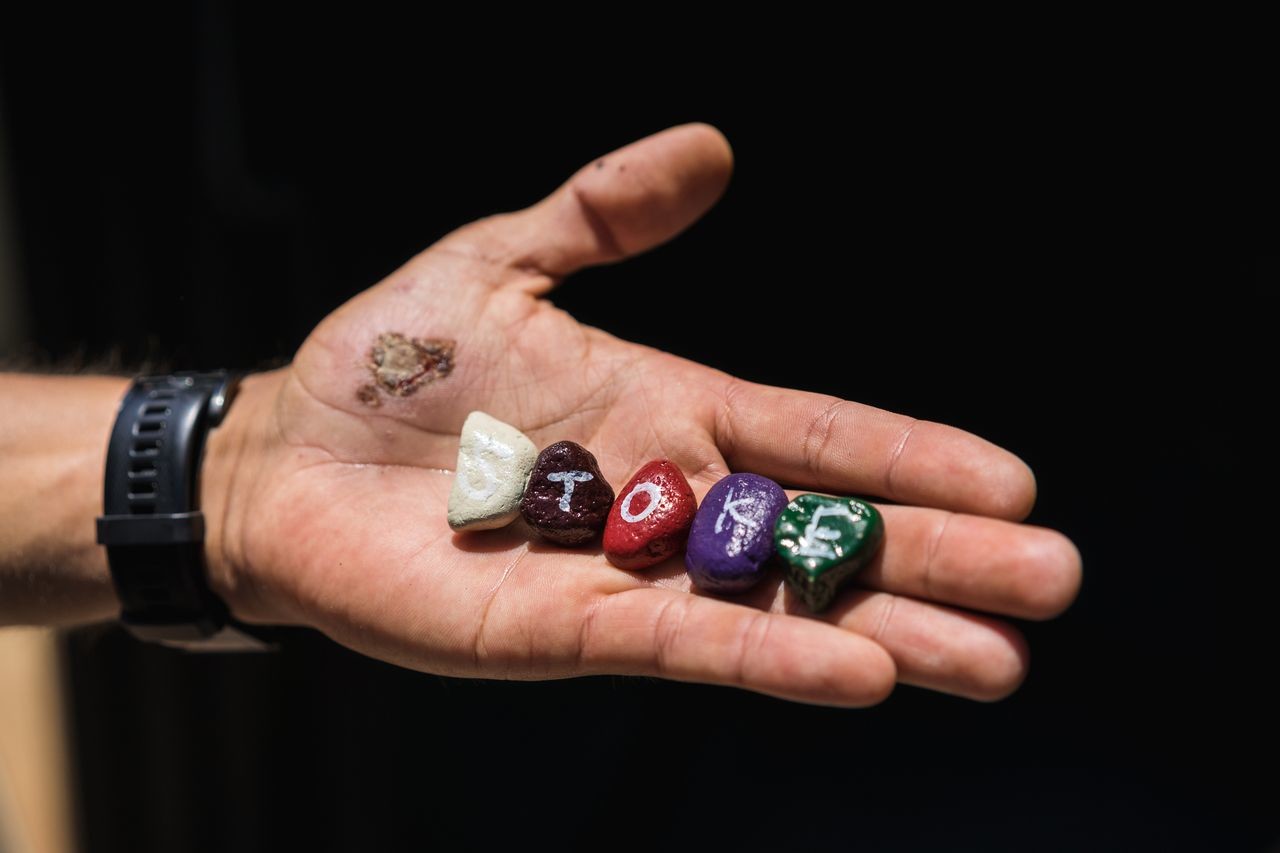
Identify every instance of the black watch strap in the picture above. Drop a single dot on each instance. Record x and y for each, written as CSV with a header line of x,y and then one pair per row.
x,y
152,525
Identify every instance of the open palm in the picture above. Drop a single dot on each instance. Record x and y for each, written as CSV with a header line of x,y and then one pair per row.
x,y
336,514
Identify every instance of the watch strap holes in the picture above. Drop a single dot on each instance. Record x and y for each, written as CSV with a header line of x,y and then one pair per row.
x,y
145,447
148,427
143,489
140,469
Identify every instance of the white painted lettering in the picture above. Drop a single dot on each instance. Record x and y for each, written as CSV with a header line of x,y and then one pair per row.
x,y
476,463
568,478
731,508
816,539
654,493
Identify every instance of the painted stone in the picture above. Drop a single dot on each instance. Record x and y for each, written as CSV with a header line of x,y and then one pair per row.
x,y
731,540
650,519
567,500
824,542
494,461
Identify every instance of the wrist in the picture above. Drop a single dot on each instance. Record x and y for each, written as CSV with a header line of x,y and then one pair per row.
x,y
236,455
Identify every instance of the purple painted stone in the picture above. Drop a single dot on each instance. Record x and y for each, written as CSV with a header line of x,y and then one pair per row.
x,y
731,540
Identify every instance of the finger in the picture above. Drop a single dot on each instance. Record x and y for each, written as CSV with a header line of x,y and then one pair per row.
x,y
970,561
669,634
619,205
936,647
932,646
816,441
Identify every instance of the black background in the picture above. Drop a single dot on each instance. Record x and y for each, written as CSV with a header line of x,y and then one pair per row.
x,y
1075,268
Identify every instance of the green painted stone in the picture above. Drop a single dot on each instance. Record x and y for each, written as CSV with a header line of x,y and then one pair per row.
x,y
823,543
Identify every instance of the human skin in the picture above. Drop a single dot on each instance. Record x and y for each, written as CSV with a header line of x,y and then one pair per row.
x,y
327,511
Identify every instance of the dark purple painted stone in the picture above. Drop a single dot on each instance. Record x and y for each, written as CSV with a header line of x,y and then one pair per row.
x,y
731,540
567,500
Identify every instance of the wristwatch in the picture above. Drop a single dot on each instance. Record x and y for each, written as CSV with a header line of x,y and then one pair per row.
x,y
151,524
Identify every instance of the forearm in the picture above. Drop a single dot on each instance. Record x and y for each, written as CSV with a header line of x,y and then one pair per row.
x,y
53,447
54,432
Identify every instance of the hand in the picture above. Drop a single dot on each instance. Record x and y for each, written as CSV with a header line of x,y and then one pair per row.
x,y
327,492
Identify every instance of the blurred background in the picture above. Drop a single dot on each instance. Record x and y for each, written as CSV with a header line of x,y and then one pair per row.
x,y
1075,269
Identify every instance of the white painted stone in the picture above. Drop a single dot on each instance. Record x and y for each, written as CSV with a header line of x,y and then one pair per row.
x,y
494,461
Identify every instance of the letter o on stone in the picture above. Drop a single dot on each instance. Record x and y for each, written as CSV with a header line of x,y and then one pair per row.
x,y
655,495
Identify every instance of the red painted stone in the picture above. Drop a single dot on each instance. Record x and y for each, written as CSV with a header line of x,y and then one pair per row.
x,y
650,519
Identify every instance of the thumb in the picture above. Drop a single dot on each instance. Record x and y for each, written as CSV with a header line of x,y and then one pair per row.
x,y
619,205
